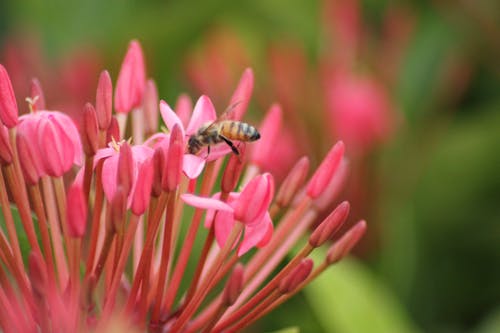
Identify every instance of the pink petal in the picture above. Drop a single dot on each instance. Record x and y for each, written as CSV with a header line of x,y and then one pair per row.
x,y
193,166
255,234
103,153
224,223
170,117
204,112
67,125
205,203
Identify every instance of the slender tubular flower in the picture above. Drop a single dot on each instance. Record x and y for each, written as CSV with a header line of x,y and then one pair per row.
x,y
121,214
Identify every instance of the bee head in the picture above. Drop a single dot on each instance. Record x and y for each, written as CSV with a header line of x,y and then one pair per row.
x,y
194,144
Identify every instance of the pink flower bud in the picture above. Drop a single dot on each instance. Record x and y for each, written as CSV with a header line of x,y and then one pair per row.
x,y
233,170
131,80
113,130
173,164
158,167
296,277
8,104
104,100
5,148
234,285
343,246
151,112
29,158
330,225
293,181
125,171
89,130
269,131
242,94
76,210
141,193
37,95
321,178
254,199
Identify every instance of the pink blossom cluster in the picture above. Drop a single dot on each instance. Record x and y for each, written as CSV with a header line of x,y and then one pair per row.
x,y
112,209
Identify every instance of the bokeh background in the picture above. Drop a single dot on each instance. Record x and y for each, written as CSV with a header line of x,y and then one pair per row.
x,y
412,87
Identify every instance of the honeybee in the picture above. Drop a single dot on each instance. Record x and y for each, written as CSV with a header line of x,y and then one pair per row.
x,y
222,131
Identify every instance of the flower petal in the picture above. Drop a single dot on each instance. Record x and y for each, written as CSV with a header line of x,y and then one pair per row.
x,y
205,203
193,166
170,117
254,234
204,112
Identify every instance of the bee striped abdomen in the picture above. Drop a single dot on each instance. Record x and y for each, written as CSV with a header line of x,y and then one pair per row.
x,y
237,130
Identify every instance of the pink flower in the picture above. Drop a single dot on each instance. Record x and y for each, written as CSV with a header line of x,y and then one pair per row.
x,y
359,110
248,207
204,112
58,144
131,80
141,156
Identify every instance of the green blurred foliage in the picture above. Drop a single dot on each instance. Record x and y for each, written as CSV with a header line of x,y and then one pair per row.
x,y
437,213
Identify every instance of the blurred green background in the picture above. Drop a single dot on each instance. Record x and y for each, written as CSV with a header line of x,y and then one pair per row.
x,y
429,186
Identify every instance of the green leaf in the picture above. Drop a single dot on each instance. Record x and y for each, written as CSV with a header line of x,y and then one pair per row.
x,y
491,324
348,298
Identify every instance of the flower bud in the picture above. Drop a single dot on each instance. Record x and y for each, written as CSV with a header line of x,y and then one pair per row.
x,y
131,80
142,189
58,149
38,274
76,210
343,246
233,170
173,164
158,168
321,178
5,148
296,276
330,225
293,181
8,104
89,130
113,130
104,100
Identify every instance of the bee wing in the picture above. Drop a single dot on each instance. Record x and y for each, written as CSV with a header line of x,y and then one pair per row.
x,y
226,115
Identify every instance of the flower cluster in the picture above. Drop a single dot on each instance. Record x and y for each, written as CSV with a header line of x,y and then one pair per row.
x,y
111,210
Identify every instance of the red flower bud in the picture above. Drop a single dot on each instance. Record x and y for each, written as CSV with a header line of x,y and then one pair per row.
x,y
321,178
173,164
330,225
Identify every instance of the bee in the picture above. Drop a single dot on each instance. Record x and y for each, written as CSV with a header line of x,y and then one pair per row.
x,y
222,131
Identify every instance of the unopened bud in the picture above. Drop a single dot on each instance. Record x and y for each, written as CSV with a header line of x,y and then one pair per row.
x,y
330,225
293,181
234,286
296,276
343,246
233,170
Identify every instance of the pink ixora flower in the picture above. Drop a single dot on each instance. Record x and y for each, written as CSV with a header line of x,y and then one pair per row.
x,y
249,207
140,171
203,113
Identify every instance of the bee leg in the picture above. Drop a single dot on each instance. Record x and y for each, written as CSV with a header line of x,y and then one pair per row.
x,y
230,144
208,151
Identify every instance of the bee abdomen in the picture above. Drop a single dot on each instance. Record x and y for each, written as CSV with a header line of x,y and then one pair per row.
x,y
236,130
